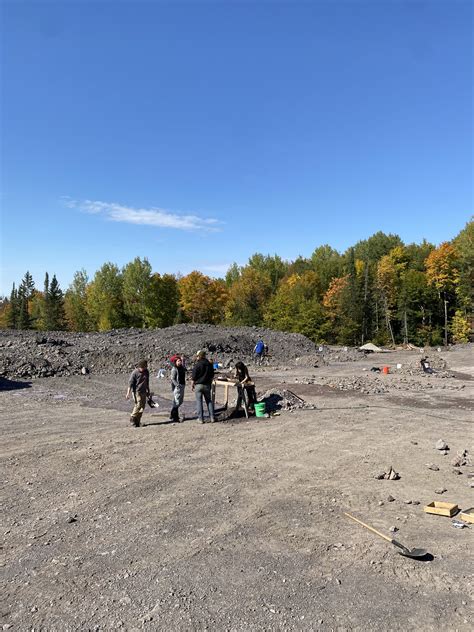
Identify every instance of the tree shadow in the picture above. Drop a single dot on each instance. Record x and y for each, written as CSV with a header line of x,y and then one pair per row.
x,y
12,385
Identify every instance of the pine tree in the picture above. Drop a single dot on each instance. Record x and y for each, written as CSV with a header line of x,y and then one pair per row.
x,y
46,315
12,322
25,292
55,301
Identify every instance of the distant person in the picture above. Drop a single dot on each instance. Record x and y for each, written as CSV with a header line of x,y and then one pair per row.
x,y
425,365
242,375
139,385
259,351
178,384
202,376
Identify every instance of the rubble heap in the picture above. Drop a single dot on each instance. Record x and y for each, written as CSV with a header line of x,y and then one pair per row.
x,y
27,354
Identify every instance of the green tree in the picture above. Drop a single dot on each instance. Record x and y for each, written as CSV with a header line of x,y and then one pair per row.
x,y
295,306
232,275
104,298
25,293
272,266
55,304
136,291
14,311
163,304
376,246
75,303
328,264
464,244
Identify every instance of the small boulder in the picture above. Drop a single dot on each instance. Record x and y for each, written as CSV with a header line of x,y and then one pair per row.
x,y
441,445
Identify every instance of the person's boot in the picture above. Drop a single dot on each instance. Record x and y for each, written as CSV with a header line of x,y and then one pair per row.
x,y
174,415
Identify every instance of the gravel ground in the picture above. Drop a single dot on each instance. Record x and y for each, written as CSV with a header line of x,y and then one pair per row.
x,y
238,525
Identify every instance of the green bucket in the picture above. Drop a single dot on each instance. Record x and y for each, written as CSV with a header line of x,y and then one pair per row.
x,y
260,409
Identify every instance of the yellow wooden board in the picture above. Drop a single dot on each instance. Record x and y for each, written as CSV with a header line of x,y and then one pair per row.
x,y
467,515
441,509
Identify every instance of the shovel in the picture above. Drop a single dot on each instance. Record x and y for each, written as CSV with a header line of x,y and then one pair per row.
x,y
415,553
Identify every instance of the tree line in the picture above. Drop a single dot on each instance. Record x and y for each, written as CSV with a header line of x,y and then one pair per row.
x,y
378,290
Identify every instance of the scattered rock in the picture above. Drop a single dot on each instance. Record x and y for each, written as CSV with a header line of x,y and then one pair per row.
x,y
390,499
72,519
392,475
441,445
393,529
432,466
440,490
458,472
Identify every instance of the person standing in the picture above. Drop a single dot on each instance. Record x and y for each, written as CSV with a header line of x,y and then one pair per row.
x,y
139,385
259,351
202,376
178,383
242,375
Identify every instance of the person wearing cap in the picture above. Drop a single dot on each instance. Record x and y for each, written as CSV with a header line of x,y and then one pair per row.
x,y
202,376
139,385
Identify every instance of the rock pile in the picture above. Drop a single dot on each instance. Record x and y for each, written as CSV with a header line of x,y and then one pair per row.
x,y
27,354
283,399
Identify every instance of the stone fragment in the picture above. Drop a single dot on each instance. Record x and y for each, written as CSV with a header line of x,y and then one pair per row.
x,y
441,445
432,466
440,490
393,529
390,499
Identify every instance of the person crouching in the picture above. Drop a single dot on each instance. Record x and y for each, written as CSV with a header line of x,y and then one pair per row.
x,y
178,384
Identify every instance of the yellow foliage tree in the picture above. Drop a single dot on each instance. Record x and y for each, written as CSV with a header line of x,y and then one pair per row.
x,y
202,299
333,298
443,274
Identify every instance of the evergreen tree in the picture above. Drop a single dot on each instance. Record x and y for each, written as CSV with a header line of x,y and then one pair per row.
x,y
13,314
25,293
55,302
46,311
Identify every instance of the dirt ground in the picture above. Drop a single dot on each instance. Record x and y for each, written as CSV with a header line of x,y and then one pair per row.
x,y
237,525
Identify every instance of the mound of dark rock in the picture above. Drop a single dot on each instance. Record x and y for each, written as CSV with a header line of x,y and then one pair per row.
x,y
26,354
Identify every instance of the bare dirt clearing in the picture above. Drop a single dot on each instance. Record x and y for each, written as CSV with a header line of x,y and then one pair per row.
x,y
238,525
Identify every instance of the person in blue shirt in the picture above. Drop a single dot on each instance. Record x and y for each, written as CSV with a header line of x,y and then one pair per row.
x,y
259,351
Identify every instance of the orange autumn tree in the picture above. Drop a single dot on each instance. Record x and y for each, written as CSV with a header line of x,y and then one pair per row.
x,y
202,299
442,273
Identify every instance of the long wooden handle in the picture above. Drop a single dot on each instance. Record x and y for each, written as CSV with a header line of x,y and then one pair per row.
x,y
385,537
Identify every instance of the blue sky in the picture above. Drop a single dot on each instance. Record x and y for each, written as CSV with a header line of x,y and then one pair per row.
x,y
195,134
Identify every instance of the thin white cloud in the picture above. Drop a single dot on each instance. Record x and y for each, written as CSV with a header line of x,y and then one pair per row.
x,y
217,268
158,217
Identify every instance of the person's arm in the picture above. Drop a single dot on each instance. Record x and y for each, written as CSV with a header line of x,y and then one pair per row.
x,y
174,377
148,383
131,385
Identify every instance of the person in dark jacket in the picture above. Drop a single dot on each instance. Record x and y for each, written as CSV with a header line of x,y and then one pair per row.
x,y
242,375
178,383
202,376
139,385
